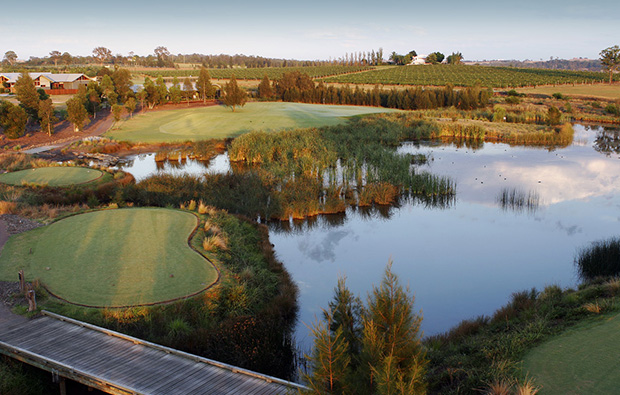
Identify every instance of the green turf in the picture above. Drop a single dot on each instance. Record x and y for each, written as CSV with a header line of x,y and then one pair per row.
x,y
52,176
112,257
220,122
584,360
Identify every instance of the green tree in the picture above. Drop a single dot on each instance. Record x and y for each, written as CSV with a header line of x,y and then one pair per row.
x,y
265,90
554,116
162,90
435,57
10,57
117,112
93,93
102,54
233,95
346,313
67,59
610,58
122,83
13,119
76,113
203,85
108,90
27,94
391,343
329,360
130,105
55,56
47,117
175,91
188,89
455,58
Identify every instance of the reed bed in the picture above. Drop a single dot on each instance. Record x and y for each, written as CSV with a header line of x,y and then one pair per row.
x,y
518,201
600,259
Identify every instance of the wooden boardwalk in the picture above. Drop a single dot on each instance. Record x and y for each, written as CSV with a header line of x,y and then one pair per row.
x,y
120,364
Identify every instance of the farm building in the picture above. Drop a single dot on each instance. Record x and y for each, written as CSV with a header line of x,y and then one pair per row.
x,y
418,60
54,84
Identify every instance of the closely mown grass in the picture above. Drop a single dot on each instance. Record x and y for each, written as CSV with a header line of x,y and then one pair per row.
x,y
51,176
601,259
247,320
125,257
484,353
217,122
582,360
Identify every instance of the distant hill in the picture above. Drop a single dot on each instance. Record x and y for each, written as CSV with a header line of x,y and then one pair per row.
x,y
553,64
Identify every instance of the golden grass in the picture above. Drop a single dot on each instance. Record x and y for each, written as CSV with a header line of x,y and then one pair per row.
x,y
7,207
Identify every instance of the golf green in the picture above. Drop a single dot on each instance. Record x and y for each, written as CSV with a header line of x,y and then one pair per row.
x,y
583,360
219,122
121,257
53,176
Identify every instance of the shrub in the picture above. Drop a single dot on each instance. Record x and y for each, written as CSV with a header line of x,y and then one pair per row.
x,y
513,100
560,96
601,259
613,109
7,207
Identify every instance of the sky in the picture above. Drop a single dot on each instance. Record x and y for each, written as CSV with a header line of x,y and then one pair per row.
x,y
311,30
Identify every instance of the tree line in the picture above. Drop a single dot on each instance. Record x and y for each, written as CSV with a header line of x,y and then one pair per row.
x,y
299,87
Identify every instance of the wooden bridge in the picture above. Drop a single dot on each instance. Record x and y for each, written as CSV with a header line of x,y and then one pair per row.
x,y
120,364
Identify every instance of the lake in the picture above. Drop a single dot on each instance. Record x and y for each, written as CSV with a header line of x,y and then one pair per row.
x,y
518,218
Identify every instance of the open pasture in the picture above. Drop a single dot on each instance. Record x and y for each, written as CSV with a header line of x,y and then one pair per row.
x,y
465,75
219,122
52,176
604,91
121,257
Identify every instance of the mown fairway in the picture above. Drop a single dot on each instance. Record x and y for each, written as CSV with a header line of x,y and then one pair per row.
x,y
220,122
116,257
52,176
583,360
465,75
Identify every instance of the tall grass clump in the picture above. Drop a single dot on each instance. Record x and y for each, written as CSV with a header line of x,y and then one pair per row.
x,y
601,259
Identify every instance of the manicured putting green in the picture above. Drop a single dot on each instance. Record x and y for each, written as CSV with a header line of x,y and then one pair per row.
x,y
53,176
218,122
584,360
121,257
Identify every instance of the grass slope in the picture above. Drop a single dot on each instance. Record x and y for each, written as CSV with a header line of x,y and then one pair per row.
x,y
220,122
52,176
584,360
112,257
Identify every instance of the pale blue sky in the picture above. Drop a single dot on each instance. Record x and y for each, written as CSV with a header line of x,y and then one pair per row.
x,y
480,29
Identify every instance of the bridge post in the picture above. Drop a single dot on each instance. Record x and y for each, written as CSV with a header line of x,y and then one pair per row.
x,y
22,281
63,386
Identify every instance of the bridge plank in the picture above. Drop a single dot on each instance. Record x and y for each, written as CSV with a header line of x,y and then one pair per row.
x,y
105,359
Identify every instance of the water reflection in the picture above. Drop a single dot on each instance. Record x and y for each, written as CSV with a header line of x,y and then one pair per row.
x,y
144,165
464,257
518,201
607,141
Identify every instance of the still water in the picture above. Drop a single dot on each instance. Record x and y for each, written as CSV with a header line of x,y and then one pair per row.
x,y
466,259
516,222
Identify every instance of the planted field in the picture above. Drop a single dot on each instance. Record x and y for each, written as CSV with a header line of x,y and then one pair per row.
x,y
120,257
465,75
583,360
259,73
52,176
218,122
